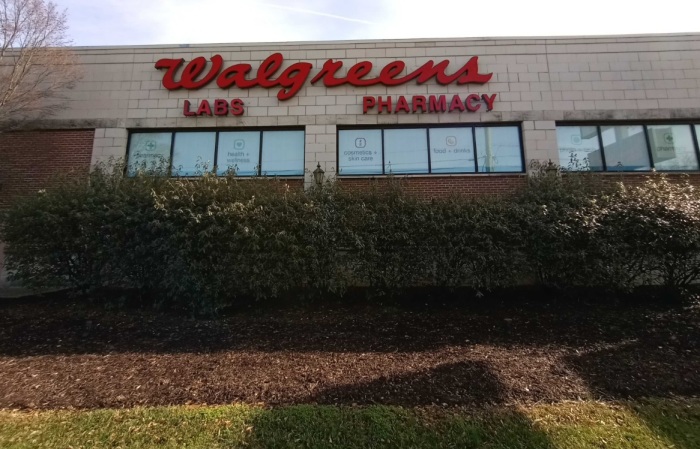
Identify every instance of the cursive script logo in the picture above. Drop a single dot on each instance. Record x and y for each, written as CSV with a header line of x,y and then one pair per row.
x,y
194,75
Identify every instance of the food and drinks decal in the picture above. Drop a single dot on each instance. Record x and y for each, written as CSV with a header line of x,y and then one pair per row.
x,y
199,73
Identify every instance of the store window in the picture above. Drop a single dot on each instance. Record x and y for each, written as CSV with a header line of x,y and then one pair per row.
x,y
149,152
239,151
579,148
361,151
283,153
672,147
193,153
452,150
430,150
406,151
498,149
243,152
625,148
633,147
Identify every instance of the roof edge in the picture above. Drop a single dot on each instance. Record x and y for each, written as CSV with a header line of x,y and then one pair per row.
x,y
388,41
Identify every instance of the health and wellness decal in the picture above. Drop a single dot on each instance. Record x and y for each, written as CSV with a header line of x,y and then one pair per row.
x,y
199,73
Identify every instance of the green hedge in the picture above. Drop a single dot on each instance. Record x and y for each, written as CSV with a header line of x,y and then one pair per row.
x,y
206,243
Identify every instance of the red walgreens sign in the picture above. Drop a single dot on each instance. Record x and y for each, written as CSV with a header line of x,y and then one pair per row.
x,y
195,75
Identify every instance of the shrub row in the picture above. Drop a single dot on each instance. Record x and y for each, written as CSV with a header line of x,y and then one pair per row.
x,y
204,244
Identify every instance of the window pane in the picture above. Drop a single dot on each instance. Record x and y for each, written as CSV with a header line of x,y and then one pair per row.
x,y
498,149
283,153
451,150
193,153
405,151
149,151
239,151
672,147
360,152
579,148
625,148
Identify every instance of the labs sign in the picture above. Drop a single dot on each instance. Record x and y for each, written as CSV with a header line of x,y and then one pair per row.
x,y
199,73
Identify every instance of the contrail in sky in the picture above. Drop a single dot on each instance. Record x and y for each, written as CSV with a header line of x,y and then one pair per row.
x,y
318,13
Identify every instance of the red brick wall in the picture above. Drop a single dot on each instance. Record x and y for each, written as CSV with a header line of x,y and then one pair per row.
x,y
295,183
29,159
635,179
443,186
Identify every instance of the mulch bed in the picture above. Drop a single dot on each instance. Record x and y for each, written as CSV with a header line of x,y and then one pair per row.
x,y
56,352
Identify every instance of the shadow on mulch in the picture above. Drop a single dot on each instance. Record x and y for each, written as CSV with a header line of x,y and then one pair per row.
x,y
56,352
56,324
662,368
460,383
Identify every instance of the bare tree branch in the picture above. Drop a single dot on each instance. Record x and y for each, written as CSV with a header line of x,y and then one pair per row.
x,y
36,68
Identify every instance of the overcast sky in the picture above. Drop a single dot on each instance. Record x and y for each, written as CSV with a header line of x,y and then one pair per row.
x,y
135,22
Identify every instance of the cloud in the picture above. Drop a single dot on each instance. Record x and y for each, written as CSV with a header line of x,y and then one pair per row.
x,y
320,13
212,21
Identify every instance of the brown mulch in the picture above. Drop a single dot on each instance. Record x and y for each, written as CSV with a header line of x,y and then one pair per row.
x,y
56,352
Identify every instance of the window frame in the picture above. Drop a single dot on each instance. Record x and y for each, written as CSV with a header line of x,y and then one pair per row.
x,y
644,124
428,127
217,131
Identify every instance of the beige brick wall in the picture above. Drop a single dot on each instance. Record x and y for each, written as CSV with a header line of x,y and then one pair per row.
x,y
109,145
539,81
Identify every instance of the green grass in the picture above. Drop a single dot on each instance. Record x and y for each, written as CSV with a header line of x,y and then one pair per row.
x,y
634,425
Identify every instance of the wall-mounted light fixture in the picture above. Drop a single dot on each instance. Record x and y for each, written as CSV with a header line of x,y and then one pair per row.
x,y
319,174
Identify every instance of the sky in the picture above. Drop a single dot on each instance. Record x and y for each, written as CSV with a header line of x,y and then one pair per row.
x,y
150,22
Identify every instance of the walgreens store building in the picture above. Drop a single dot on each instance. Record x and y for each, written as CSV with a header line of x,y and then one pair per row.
x,y
452,115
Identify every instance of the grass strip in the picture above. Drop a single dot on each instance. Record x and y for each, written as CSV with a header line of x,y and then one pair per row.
x,y
635,425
